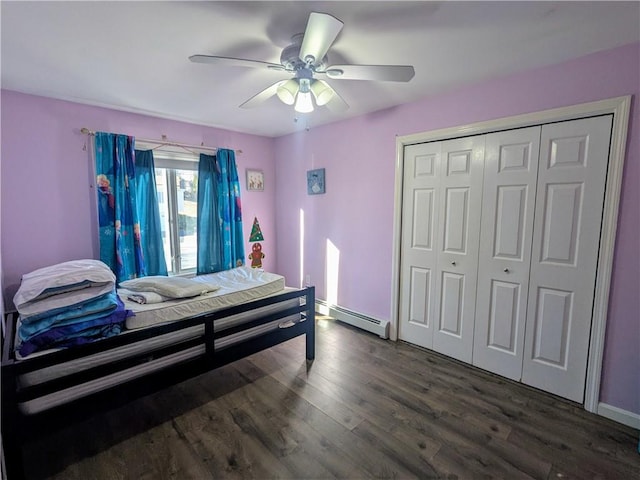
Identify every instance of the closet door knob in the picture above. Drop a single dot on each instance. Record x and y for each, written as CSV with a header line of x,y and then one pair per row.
x,y
453,263
506,270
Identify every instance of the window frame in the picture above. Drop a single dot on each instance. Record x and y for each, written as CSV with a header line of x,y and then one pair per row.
x,y
172,161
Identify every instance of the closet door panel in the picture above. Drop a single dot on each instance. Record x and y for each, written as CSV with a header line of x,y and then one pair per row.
x,y
505,305
511,164
456,220
569,203
457,245
510,217
418,261
561,216
451,306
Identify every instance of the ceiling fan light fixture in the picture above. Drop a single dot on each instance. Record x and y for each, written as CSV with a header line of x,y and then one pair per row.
x,y
322,91
304,101
287,91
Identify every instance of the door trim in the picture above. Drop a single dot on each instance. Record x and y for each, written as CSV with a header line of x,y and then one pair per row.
x,y
619,107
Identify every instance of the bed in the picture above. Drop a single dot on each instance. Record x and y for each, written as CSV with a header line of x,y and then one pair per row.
x,y
163,343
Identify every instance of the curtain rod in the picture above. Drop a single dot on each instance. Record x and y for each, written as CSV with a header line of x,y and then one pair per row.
x,y
163,142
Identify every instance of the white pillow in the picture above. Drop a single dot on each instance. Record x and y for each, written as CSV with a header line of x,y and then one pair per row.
x,y
173,287
61,278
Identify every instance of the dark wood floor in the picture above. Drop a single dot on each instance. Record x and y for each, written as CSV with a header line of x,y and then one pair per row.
x,y
365,408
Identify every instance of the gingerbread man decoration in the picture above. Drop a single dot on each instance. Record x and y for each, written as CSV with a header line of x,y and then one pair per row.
x,y
256,255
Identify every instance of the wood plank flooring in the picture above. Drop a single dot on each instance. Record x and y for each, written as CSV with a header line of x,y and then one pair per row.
x,y
365,408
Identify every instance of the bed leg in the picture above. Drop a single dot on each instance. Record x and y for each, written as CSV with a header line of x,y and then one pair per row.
x,y
11,445
311,343
311,328
12,459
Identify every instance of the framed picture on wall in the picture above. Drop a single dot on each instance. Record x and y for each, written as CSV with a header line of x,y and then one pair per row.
x,y
315,181
255,180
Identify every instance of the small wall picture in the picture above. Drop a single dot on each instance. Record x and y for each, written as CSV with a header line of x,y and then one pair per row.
x,y
315,181
255,180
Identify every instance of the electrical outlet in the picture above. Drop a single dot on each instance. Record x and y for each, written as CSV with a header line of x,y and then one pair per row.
x,y
307,280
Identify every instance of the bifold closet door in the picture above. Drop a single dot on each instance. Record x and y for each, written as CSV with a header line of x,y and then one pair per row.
x,y
459,205
418,259
508,202
441,206
569,204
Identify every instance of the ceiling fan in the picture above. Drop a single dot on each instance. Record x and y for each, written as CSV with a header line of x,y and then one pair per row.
x,y
306,59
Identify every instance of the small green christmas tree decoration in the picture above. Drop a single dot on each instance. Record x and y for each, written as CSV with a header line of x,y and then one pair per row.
x,y
256,233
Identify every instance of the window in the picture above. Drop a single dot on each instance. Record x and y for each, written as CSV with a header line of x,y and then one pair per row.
x,y
177,188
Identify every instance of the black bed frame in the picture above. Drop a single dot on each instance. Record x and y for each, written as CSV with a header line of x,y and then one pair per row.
x,y
18,428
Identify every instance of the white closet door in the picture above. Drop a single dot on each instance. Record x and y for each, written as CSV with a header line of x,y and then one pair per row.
x,y
459,207
569,202
508,201
418,261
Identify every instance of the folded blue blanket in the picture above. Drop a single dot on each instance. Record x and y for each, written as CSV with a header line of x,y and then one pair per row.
x,y
78,333
97,308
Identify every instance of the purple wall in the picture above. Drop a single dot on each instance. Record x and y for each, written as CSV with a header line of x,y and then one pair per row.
x,y
46,211
356,213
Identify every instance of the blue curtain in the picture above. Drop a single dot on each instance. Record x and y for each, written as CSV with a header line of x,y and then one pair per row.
x,y
219,223
230,209
209,247
119,227
147,201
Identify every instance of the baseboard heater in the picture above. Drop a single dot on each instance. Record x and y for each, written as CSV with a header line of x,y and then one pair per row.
x,y
373,325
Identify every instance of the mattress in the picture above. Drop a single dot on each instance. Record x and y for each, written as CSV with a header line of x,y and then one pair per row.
x,y
238,285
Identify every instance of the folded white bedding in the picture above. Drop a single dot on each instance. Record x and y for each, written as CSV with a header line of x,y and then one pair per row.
x,y
56,303
61,277
63,285
143,298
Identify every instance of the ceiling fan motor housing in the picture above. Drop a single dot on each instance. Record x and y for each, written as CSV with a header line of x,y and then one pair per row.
x,y
290,56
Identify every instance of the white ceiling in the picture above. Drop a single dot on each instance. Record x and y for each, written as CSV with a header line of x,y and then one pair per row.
x,y
133,56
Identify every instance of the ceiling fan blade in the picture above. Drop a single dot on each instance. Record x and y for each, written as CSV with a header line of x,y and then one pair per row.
x,y
337,103
234,62
265,94
380,73
322,29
